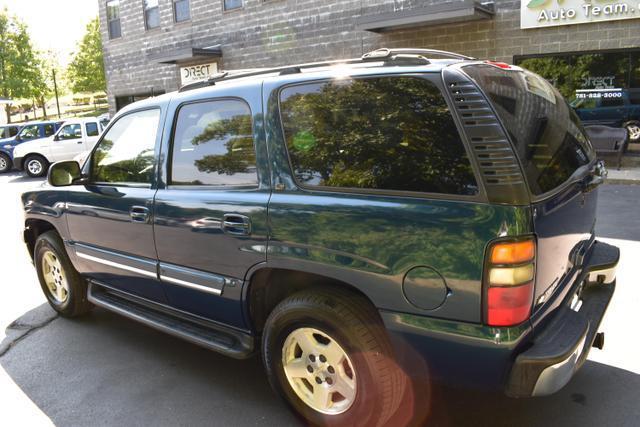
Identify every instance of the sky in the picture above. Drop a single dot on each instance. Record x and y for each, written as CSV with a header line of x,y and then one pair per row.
x,y
56,25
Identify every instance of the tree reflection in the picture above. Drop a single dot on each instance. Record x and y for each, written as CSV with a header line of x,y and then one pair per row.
x,y
382,133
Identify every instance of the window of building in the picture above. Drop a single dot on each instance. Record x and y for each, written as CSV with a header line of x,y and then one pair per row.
x,y
181,10
126,154
49,129
231,4
213,145
113,18
391,133
92,129
151,14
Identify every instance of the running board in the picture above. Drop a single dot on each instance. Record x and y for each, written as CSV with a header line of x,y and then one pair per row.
x,y
206,334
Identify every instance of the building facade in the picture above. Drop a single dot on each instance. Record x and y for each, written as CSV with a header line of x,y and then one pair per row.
x,y
589,49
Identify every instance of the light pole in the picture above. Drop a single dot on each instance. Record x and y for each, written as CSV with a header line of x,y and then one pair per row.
x,y
55,88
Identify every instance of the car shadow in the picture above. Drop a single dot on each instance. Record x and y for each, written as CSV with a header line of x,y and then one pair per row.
x,y
17,176
103,369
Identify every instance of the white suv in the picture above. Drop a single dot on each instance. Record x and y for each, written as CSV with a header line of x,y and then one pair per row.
x,y
75,137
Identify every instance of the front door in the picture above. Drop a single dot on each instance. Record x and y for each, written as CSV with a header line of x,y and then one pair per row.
x,y
211,219
68,143
110,218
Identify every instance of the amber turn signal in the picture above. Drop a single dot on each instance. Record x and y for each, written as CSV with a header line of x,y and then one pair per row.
x,y
513,252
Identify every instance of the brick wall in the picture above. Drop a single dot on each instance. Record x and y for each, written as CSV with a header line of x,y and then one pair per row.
x,y
279,32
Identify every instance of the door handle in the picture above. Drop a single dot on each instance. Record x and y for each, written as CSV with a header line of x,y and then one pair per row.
x,y
139,214
238,225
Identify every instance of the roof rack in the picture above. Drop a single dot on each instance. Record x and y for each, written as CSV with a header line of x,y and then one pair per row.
x,y
387,56
386,53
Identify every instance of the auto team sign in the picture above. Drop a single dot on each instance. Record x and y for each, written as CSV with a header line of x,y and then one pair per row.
x,y
550,13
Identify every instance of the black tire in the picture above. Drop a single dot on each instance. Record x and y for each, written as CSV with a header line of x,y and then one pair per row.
x,y
76,302
355,326
44,165
5,163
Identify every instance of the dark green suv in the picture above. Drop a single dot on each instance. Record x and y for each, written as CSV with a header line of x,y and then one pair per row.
x,y
408,216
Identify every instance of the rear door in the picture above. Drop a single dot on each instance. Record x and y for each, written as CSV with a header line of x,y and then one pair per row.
x,y
210,218
92,134
558,163
109,218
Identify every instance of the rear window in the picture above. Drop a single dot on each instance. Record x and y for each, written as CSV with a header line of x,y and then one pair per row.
x,y
383,133
547,134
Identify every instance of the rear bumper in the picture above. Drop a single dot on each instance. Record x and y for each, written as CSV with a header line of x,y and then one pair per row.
x,y
521,361
562,344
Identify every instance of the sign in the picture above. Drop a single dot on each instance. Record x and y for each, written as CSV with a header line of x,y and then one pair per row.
x,y
552,13
194,73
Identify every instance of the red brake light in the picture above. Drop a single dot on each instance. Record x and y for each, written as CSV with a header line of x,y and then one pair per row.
x,y
509,282
502,65
509,305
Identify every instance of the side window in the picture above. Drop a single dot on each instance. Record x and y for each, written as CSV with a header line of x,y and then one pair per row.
x,y
391,133
213,145
92,129
70,132
125,154
49,130
13,131
30,132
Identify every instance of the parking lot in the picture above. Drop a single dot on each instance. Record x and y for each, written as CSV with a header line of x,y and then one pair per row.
x,y
106,370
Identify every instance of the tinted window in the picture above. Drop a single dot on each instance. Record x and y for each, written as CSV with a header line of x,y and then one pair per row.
x,y
70,132
92,129
126,153
378,133
30,132
547,134
213,145
13,131
181,10
49,129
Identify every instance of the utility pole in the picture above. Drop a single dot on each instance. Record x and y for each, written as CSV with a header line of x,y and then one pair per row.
x,y
55,88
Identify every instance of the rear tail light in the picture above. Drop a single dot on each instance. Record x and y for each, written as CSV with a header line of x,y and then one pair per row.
x,y
509,281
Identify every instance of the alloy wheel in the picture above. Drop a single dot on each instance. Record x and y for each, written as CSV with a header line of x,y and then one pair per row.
x,y
54,277
34,166
319,371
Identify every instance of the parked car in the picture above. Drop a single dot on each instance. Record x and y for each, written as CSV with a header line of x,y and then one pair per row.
x,y
8,131
28,132
619,109
607,140
74,137
362,224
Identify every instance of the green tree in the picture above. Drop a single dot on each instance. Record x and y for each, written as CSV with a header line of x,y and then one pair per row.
x,y
86,70
17,60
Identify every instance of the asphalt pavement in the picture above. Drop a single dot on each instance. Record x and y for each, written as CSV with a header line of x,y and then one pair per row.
x,y
103,369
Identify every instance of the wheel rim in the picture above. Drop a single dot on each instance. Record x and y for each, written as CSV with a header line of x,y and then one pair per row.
x,y
54,277
319,371
634,132
34,166
3,163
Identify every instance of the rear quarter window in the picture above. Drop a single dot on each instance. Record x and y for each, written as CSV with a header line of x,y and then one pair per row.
x,y
547,135
381,134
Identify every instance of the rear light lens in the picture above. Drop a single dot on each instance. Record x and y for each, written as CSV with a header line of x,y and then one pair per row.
x,y
509,282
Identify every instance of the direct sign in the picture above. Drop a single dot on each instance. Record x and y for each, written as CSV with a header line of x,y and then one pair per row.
x,y
552,13
194,73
